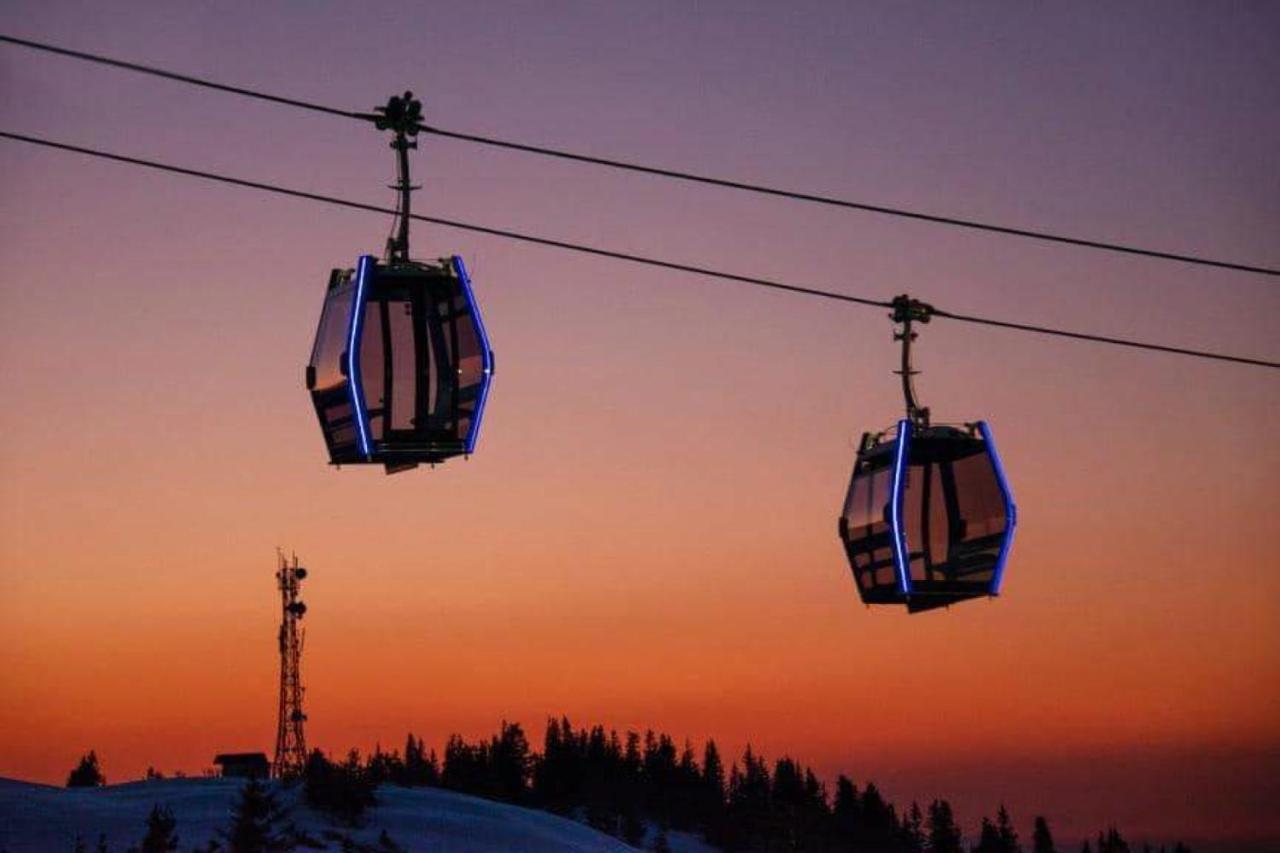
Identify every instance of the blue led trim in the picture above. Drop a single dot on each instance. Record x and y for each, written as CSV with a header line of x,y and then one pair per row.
x,y
901,554
486,355
358,412
1011,511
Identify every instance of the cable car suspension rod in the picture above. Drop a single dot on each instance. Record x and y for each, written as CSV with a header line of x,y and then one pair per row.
x,y
690,177
403,115
625,256
905,312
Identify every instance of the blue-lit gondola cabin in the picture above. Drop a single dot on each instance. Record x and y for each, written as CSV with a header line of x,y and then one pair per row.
x,y
928,519
401,364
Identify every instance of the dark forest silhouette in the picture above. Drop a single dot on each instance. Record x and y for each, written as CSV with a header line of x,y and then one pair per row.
x,y
636,788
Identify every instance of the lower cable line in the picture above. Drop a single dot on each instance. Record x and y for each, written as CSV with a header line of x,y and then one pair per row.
x,y
626,256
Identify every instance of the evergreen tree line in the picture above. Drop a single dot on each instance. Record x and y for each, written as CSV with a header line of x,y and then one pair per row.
x,y
623,785
639,788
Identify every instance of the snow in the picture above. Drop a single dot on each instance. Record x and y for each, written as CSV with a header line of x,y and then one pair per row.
x,y
44,818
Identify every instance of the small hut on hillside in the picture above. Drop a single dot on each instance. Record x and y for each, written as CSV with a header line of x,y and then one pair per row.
x,y
243,765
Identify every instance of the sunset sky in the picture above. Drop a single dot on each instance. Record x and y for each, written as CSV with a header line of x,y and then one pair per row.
x,y
646,535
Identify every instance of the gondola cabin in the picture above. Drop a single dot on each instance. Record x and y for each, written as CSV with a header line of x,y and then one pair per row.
x,y
401,364
928,519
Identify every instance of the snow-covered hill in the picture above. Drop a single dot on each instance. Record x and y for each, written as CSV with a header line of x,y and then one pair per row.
x,y
47,819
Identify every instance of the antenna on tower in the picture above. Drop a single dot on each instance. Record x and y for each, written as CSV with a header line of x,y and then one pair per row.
x,y
291,743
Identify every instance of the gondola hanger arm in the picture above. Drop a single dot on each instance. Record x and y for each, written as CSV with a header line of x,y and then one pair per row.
x,y
402,115
906,312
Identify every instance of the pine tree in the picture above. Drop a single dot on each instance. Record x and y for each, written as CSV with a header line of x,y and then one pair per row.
x,y
713,782
509,763
414,762
1007,834
786,806
711,794
611,794
1042,838
988,839
749,799
815,815
686,790
847,813
913,836
384,767
87,773
463,766
549,770
659,776
944,834
631,760
879,821
432,772
257,822
160,837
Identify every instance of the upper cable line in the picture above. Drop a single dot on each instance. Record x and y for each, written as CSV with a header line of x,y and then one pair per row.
x,y
771,284
673,174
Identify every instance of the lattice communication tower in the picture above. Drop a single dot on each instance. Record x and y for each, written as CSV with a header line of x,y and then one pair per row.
x,y
291,743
